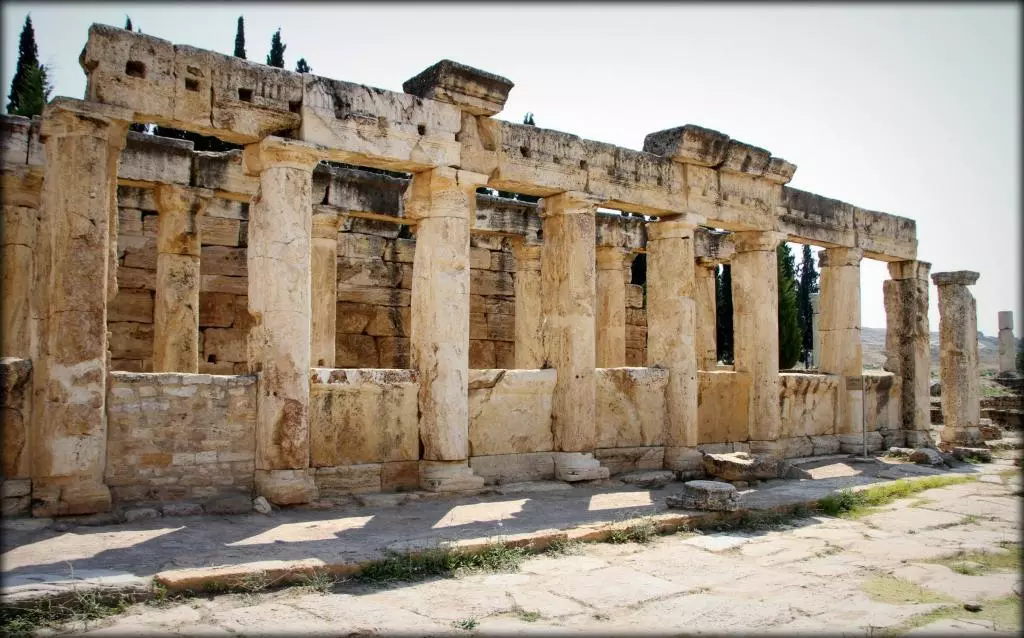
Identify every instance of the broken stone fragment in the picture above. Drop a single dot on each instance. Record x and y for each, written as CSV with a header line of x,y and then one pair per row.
x,y
740,466
977,453
648,479
705,495
926,456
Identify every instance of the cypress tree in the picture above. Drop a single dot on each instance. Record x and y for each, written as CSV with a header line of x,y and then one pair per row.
x,y
28,59
808,285
528,120
240,39
790,340
127,23
723,314
35,93
276,55
302,66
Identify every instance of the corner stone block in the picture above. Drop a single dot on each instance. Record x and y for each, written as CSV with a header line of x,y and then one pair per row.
x,y
472,90
689,144
129,70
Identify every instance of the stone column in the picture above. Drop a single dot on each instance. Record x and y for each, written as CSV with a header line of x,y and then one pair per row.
x,y
529,349
907,350
442,201
815,329
704,272
755,304
610,323
841,351
671,328
958,357
569,292
69,434
18,244
324,277
280,228
176,308
1007,350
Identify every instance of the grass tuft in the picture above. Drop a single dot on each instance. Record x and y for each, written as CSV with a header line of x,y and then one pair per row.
x,y
442,562
850,504
978,562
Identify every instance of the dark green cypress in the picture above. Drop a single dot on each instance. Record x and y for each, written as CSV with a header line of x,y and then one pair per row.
x,y
276,55
127,23
723,314
302,66
807,286
28,59
240,39
790,339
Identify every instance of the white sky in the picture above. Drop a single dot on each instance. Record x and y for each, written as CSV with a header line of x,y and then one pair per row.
x,y
909,109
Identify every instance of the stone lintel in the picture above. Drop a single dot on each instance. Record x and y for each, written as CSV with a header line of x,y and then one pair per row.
x,y
840,256
714,246
569,203
619,231
677,226
779,171
745,158
689,144
957,277
327,222
179,208
278,152
910,269
474,91
757,240
65,116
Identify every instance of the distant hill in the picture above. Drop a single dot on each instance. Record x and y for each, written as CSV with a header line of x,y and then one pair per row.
x,y
873,340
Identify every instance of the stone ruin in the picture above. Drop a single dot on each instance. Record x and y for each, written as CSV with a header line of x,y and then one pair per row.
x,y
337,308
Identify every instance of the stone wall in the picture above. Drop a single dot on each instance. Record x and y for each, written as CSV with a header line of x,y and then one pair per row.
x,y
174,437
15,406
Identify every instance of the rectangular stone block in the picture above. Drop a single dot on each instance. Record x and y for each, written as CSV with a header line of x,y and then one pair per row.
x,y
393,352
631,407
225,344
216,309
375,296
130,340
400,476
628,459
634,296
152,158
722,405
808,404
355,351
136,278
490,282
368,273
332,482
510,411
632,180
131,305
501,327
219,231
223,260
481,354
222,283
514,468
224,172
504,355
367,416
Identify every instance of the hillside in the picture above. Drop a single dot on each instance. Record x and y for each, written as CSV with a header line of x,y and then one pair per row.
x,y
874,350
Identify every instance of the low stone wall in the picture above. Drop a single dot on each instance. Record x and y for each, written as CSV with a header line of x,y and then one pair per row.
x,y
723,399
364,430
631,409
808,404
173,437
882,396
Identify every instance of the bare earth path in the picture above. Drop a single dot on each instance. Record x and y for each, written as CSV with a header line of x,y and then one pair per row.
x,y
888,572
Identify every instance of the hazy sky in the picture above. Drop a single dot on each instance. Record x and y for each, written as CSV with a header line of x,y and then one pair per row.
x,y
909,109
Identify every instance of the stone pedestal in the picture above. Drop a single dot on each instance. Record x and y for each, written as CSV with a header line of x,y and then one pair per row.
x,y
176,308
671,312
1007,349
610,321
841,350
568,301
704,271
755,303
958,358
324,287
442,202
529,349
907,353
69,433
280,227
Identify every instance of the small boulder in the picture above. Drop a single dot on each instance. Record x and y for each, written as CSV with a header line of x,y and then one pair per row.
x,y
140,514
975,607
705,495
261,505
926,456
648,479
740,466
976,453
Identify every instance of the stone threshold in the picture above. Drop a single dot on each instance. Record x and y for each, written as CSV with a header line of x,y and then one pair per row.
x,y
28,589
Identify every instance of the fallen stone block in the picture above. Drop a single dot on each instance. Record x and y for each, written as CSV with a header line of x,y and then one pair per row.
x,y
261,505
140,514
740,466
182,509
977,453
648,479
926,456
705,495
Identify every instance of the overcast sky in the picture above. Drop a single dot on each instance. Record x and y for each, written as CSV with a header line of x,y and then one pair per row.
x,y
909,109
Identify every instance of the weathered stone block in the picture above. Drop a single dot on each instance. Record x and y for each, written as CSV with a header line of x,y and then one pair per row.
x,y
131,305
223,260
631,407
722,406
740,466
808,404
393,352
355,351
351,479
705,495
481,354
628,459
151,158
514,468
400,476
15,402
218,231
510,411
472,90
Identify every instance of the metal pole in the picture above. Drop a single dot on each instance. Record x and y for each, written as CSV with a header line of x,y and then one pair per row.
x,y
863,415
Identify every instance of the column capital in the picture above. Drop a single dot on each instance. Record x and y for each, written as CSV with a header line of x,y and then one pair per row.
x,y
757,240
956,278
840,256
278,152
707,263
175,196
65,117
678,226
910,269
569,203
430,194
610,257
326,223
527,254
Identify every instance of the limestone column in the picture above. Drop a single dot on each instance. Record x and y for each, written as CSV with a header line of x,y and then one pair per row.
x,y
569,292
704,272
671,331
442,201
841,350
815,328
280,229
324,277
755,303
907,350
1007,350
611,308
18,244
529,349
82,143
958,357
176,308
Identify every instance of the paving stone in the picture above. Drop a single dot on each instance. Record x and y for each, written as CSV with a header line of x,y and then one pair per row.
x,y
609,587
